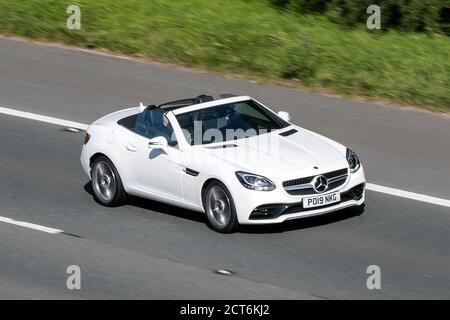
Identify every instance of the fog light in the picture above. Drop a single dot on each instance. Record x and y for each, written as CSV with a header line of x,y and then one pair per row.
x,y
267,211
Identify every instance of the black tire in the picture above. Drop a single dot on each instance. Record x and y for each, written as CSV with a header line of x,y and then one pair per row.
x,y
100,182
225,220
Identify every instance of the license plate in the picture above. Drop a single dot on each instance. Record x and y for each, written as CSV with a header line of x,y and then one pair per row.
x,y
323,200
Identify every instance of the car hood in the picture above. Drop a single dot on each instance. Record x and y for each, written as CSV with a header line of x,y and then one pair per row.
x,y
275,153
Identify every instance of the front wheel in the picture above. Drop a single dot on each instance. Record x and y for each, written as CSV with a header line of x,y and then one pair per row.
x,y
106,183
219,208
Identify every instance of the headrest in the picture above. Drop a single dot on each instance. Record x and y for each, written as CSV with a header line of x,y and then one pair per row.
x,y
203,98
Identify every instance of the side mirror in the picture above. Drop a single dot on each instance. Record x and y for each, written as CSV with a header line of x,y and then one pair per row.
x,y
158,143
284,115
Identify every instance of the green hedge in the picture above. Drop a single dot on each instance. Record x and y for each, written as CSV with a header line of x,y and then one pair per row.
x,y
431,16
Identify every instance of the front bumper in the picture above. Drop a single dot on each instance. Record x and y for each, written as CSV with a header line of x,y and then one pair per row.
x,y
350,198
277,206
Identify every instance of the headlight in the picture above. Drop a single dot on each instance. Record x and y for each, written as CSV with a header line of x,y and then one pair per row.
x,y
255,182
353,161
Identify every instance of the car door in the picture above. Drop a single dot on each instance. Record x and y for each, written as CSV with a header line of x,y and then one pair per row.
x,y
157,172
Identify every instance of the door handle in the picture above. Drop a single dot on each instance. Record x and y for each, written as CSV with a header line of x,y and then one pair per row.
x,y
131,148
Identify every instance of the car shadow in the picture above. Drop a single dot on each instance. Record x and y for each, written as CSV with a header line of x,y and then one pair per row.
x,y
160,207
290,225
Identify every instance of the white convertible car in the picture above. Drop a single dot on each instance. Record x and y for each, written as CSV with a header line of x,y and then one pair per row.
x,y
231,158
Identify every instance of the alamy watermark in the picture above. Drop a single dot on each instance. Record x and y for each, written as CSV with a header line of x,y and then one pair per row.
x,y
73,281
374,280
374,20
73,22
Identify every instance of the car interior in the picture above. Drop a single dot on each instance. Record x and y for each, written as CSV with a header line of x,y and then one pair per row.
x,y
150,123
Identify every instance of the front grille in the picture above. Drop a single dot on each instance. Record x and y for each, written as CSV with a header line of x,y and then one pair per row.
x,y
301,186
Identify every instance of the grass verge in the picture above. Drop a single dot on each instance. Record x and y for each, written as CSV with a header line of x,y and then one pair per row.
x,y
252,38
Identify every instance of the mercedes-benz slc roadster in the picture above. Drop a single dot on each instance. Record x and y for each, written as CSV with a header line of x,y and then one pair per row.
x,y
232,159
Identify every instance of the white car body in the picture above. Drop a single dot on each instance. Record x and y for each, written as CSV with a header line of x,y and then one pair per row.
x,y
178,175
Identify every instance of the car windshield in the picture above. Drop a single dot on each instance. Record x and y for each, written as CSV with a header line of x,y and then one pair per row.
x,y
227,122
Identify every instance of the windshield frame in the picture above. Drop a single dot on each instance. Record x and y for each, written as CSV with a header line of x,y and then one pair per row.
x,y
281,123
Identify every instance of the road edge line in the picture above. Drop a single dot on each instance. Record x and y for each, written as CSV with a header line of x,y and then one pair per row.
x,y
47,119
30,225
407,194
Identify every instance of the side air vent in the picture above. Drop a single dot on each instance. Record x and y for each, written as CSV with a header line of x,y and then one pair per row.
x,y
288,133
191,172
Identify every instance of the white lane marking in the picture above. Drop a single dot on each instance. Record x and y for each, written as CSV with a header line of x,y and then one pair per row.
x,y
369,186
408,195
30,225
224,272
72,130
38,117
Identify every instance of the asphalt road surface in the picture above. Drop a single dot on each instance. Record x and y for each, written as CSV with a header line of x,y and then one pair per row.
x,y
148,250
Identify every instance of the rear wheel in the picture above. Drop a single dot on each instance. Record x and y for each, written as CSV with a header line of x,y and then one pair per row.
x,y
106,183
219,208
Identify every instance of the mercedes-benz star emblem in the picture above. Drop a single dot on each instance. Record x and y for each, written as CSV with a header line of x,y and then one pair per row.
x,y
320,184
